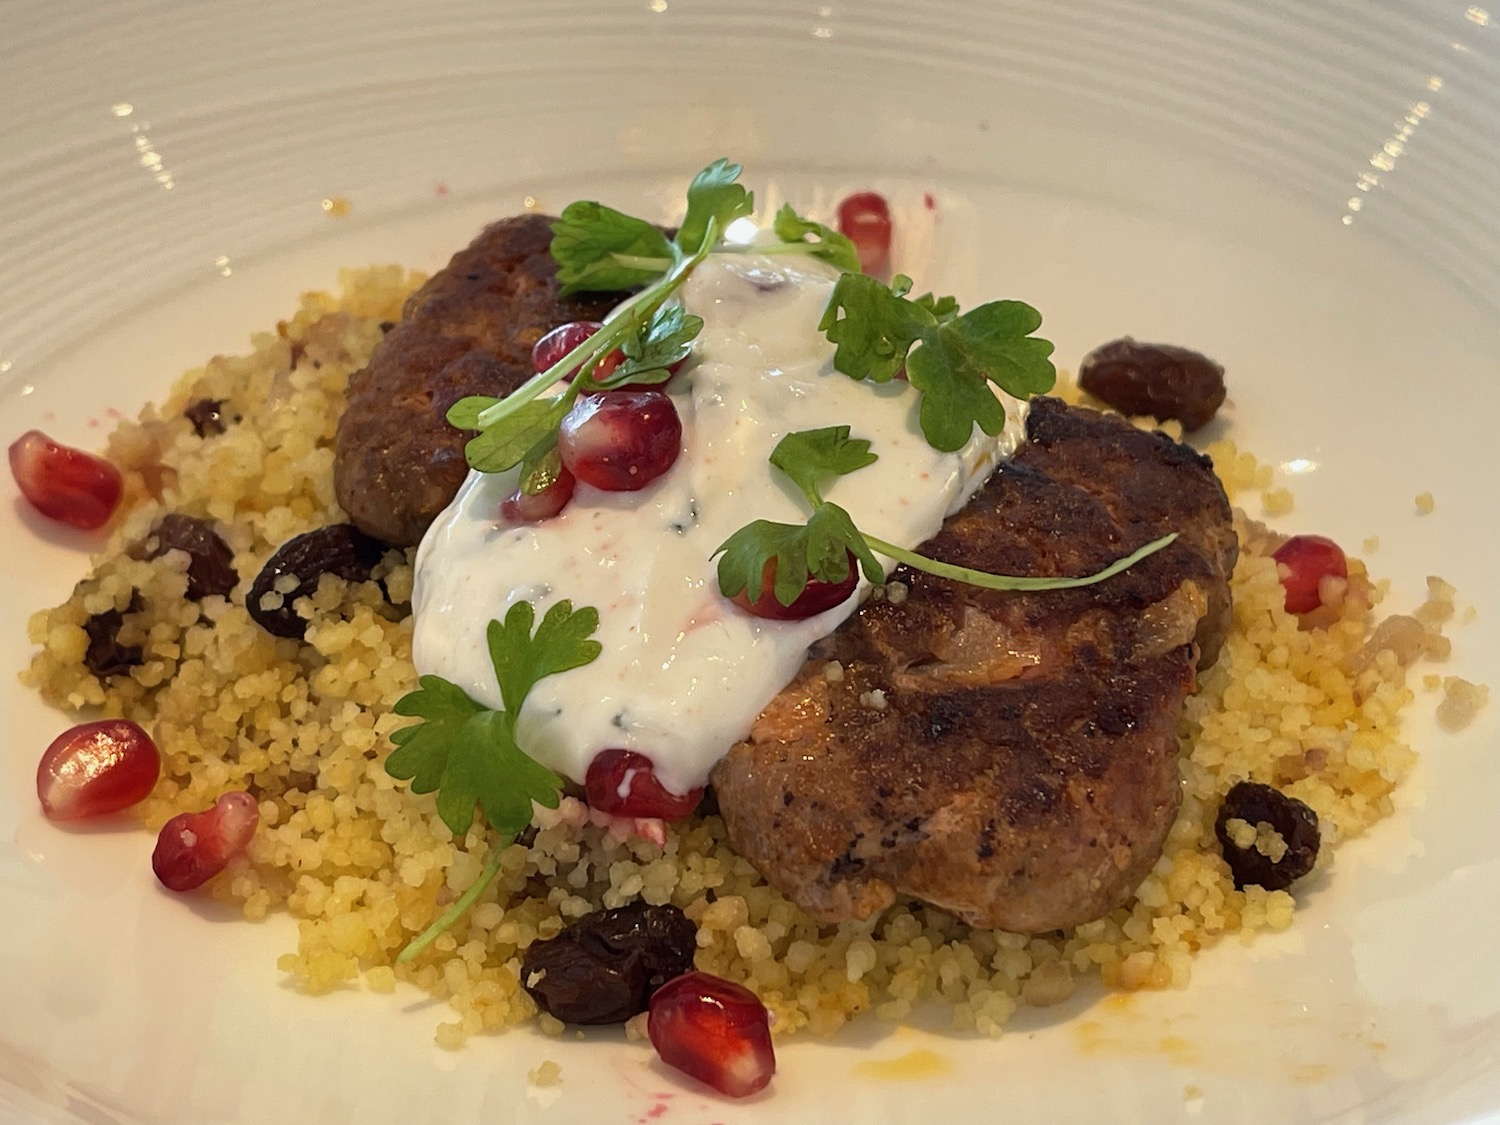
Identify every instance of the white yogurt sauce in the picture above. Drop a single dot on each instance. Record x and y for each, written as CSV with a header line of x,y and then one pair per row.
x,y
684,672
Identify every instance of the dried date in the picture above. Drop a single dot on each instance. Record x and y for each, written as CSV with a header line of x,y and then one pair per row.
x,y
293,572
206,415
604,967
1294,822
106,656
1161,380
210,561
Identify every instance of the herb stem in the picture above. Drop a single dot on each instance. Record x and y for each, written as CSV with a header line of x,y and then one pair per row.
x,y
456,911
1006,581
624,319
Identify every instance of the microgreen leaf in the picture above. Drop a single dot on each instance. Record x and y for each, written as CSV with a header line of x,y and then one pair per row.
x,y
541,466
809,457
561,642
665,339
828,244
588,235
713,194
872,326
464,414
506,442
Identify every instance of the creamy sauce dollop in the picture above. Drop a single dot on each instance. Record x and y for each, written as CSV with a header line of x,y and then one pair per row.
x,y
684,672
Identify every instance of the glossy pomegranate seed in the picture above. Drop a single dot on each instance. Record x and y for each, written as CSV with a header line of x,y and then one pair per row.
x,y
64,483
1304,560
714,1030
623,783
194,847
519,507
816,596
865,218
620,441
563,339
96,768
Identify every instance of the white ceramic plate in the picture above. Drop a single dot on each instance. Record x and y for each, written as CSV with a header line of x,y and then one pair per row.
x,y
1305,191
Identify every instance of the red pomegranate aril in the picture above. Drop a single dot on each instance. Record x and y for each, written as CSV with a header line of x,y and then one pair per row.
x,y
96,768
621,441
194,847
623,783
563,339
64,483
519,507
714,1030
1304,561
815,597
865,218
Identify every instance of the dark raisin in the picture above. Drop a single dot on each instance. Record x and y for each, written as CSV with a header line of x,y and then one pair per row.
x,y
604,967
340,549
1161,380
1297,825
106,656
206,415
387,325
210,561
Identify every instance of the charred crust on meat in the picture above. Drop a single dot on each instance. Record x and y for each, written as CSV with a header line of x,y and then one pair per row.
x,y
468,331
1031,737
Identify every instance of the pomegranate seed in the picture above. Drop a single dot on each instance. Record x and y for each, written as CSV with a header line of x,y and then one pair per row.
x,y
563,339
520,507
194,847
64,483
96,768
865,218
620,441
714,1030
1303,562
815,597
623,783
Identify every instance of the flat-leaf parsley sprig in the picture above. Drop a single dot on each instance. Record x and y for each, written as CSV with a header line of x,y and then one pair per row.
x,y
821,547
467,752
598,248
951,358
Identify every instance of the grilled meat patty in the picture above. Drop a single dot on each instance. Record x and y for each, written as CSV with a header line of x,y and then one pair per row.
x,y
468,331
1008,757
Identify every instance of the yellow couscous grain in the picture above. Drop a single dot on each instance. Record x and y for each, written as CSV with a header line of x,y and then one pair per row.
x,y
1311,706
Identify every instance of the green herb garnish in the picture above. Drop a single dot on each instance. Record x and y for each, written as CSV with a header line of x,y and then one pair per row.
x,y
467,752
950,358
820,548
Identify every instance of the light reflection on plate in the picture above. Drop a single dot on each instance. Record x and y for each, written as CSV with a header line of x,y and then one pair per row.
x,y
1174,174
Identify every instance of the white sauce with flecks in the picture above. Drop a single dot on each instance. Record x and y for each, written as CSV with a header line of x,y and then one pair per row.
x,y
683,672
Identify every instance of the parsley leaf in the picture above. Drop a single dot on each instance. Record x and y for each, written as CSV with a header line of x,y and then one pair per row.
x,y
872,327
820,548
715,195
665,339
950,357
588,235
828,244
562,642
808,457
468,752
743,559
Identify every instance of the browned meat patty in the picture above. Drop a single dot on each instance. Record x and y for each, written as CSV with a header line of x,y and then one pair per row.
x,y
468,331
1009,757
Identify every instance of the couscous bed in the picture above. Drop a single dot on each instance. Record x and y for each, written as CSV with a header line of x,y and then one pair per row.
x,y
1311,706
